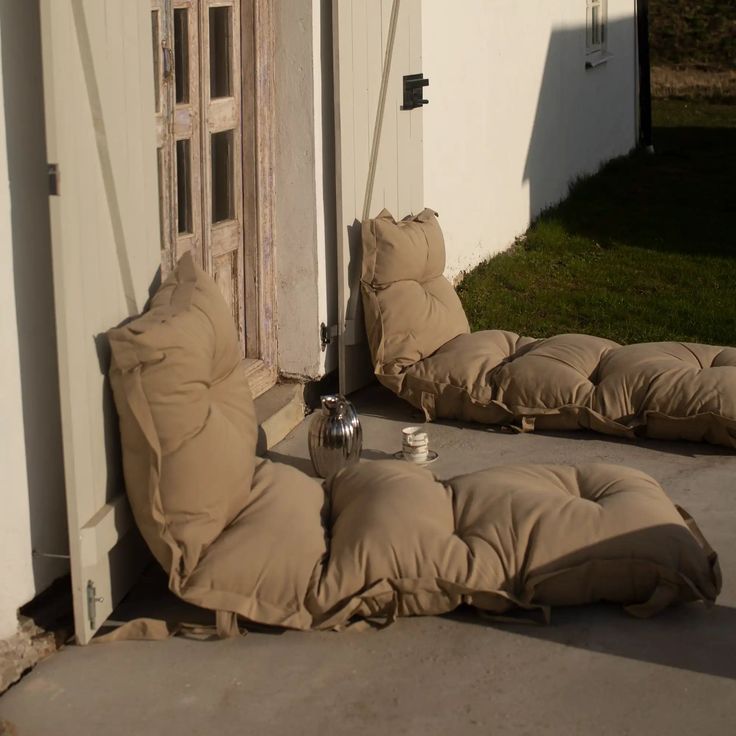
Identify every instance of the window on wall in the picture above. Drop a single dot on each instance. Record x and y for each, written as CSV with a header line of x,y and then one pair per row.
x,y
596,31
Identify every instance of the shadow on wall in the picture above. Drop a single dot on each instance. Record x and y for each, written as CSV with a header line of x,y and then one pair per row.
x,y
34,293
584,116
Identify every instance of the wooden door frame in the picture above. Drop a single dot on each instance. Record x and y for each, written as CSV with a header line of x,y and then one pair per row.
x,y
257,52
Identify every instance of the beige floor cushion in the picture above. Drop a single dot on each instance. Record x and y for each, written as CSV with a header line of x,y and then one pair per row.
x,y
387,539
423,351
533,536
266,543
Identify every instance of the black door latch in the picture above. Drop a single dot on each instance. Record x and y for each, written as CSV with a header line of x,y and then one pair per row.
x,y
414,85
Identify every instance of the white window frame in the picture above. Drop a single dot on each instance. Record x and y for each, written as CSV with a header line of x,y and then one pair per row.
x,y
596,32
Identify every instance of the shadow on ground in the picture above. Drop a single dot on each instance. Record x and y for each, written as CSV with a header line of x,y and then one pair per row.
x,y
687,637
378,402
678,200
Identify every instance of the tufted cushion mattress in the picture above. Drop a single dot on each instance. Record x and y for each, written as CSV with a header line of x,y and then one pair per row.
x,y
404,543
422,350
386,539
265,542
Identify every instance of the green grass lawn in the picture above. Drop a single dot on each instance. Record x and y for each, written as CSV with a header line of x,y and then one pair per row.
x,y
643,251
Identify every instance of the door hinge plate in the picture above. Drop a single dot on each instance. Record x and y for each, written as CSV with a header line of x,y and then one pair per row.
x,y
54,180
326,335
92,600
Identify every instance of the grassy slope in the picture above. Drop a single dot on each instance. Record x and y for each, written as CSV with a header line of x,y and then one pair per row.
x,y
644,251
694,32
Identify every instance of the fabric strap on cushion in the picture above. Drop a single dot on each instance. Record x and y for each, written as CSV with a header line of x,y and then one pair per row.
x,y
226,626
667,593
705,544
428,406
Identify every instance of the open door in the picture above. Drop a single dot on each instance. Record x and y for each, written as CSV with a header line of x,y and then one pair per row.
x,y
379,156
212,70
99,101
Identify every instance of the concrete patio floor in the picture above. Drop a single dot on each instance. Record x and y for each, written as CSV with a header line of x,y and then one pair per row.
x,y
594,670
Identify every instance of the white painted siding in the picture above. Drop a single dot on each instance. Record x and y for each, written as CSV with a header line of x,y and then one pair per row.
x,y
514,116
15,535
31,466
100,129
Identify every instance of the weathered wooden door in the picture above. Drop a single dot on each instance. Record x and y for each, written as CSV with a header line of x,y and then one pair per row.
x,y
99,102
207,142
379,146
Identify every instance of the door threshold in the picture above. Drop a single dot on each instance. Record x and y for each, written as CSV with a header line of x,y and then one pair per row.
x,y
278,410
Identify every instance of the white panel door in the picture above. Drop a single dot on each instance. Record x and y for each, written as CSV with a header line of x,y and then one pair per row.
x,y
379,154
99,101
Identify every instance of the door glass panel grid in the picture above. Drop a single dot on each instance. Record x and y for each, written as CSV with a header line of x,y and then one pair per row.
x,y
200,142
186,145
222,151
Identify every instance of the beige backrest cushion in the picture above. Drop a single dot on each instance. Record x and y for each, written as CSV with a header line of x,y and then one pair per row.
x,y
187,421
410,308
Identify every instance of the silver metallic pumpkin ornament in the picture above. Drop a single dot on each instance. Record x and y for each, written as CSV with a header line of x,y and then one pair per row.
x,y
335,436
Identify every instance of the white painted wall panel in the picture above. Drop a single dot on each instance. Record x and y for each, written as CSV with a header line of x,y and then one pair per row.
x,y
15,537
98,86
33,506
514,116
379,157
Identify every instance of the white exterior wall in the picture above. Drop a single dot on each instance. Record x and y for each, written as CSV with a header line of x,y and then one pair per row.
x,y
31,463
514,116
15,538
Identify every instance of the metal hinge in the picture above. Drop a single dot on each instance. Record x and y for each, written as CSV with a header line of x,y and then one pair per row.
x,y
351,334
54,180
168,59
92,600
326,334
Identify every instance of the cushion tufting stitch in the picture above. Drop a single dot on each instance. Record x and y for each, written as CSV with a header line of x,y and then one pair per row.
x,y
422,350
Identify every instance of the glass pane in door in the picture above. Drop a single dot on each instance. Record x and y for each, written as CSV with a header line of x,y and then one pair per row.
x,y
181,54
183,186
155,37
222,176
220,51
